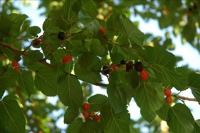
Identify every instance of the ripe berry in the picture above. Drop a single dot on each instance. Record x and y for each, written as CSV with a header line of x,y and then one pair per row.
x,y
169,99
129,66
86,114
15,63
61,35
122,62
102,29
86,106
138,66
167,92
106,70
17,69
66,59
144,75
96,118
36,42
114,67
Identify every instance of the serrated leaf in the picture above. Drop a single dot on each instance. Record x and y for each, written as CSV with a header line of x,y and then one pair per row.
x,y
97,101
26,82
45,81
34,30
90,127
197,126
70,114
70,92
148,115
117,97
12,119
87,59
193,83
163,111
68,13
118,123
180,119
97,48
131,31
89,7
35,55
75,126
149,96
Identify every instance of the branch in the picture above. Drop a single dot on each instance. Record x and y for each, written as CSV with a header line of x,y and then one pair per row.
x,y
185,98
101,84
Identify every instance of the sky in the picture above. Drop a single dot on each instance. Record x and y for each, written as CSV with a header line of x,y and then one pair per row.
x,y
189,54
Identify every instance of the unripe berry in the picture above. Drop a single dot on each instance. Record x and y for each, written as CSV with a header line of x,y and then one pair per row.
x,y
86,106
102,29
144,75
66,59
96,118
169,99
86,114
138,66
61,35
167,92
36,42
15,63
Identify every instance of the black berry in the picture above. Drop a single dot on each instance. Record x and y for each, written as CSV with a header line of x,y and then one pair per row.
x,y
61,35
122,62
106,70
129,66
138,66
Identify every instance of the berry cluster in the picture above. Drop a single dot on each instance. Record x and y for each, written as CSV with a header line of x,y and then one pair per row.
x,y
66,59
89,115
167,93
15,65
106,70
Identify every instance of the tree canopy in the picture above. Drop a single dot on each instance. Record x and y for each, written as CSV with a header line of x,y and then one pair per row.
x,y
82,43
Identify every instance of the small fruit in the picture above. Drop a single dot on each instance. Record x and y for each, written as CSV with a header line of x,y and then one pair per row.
x,y
169,99
122,62
96,118
66,59
138,66
129,66
61,35
15,63
91,114
36,42
102,29
144,75
114,67
86,106
167,92
86,114
105,70
17,69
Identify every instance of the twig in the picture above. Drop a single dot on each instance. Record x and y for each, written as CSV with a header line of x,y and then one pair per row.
x,y
101,84
185,98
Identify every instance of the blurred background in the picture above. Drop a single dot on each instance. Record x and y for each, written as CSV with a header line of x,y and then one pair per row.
x,y
172,25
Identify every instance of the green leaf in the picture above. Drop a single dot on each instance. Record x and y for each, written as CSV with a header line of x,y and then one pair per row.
x,y
35,55
75,126
70,92
49,26
34,30
163,111
193,83
84,17
12,119
87,59
89,7
180,119
70,114
117,97
148,115
97,101
131,31
149,96
197,126
26,82
90,127
118,123
45,81
68,13
97,48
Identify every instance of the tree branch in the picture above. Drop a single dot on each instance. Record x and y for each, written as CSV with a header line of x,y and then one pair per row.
x,y
101,84
185,98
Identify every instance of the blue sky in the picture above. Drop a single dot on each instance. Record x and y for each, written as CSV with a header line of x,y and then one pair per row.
x,y
189,54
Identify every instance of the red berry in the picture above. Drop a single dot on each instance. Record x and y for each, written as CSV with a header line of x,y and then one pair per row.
x,y
144,75
66,59
86,106
167,92
15,63
96,118
115,67
102,30
36,42
17,69
91,114
86,114
169,99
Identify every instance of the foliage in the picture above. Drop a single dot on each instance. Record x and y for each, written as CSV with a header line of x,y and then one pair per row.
x,y
95,50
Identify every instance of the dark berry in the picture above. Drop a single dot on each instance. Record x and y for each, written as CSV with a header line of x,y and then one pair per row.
x,y
122,62
106,70
138,66
36,42
61,35
129,66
